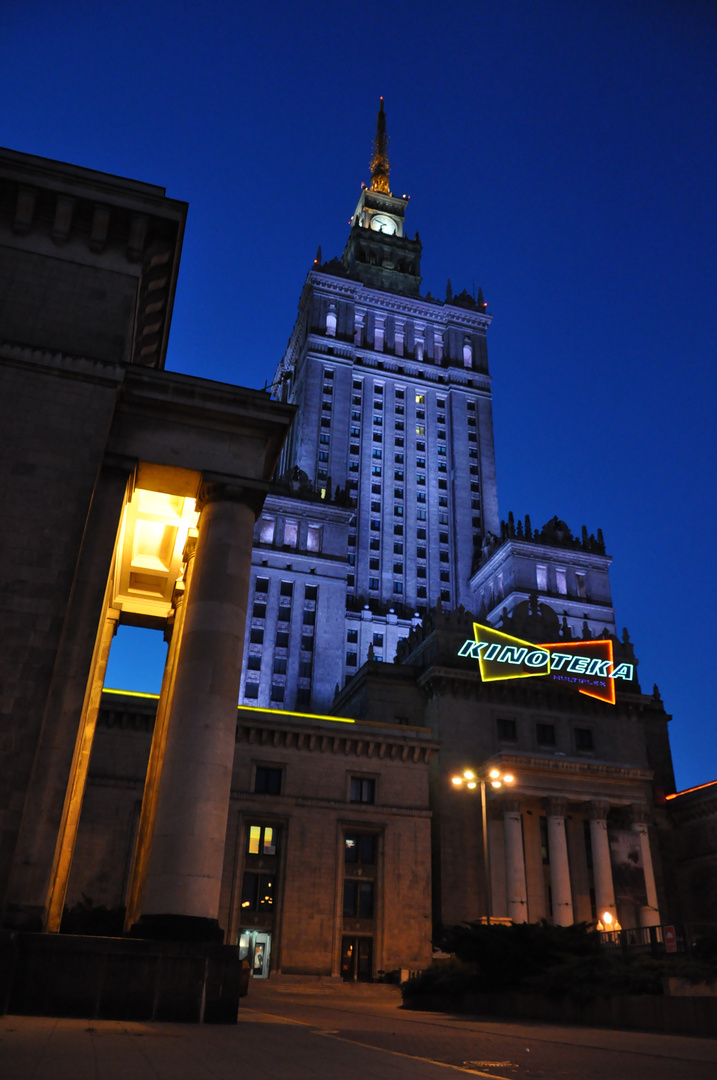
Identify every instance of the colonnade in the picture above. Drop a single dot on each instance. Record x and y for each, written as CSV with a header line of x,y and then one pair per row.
x,y
563,911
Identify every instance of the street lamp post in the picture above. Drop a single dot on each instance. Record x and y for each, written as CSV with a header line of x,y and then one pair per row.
x,y
496,779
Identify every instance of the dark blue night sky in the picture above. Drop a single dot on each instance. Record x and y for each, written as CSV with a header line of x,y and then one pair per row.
x,y
561,154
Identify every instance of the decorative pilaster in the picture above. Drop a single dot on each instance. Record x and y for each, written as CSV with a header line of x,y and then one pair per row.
x,y
515,885
556,810
650,912
602,866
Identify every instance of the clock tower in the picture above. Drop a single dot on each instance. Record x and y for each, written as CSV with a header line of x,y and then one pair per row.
x,y
378,252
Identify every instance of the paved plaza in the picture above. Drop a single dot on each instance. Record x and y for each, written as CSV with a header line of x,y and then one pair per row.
x,y
314,1032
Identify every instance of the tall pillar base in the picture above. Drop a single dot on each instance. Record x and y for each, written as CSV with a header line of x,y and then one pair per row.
x,y
122,979
177,928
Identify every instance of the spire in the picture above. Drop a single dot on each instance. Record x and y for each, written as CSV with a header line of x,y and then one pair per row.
x,y
379,160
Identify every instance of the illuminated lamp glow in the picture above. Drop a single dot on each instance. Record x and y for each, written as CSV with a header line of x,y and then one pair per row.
x,y
508,779
302,716
469,775
494,774
495,783
457,781
472,784
607,917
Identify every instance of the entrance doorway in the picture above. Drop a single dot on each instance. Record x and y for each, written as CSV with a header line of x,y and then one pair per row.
x,y
357,959
255,946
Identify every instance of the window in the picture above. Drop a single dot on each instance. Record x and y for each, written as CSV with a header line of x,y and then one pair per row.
x,y
420,496
444,556
398,441
398,493
279,665
267,780
266,531
420,463
253,663
326,421
375,526
363,789
420,414
584,739
374,543
328,373
251,690
398,530
398,475
323,455
421,592
360,848
398,510
442,485
420,552
358,899
398,458
441,419
442,500
258,611
351,659
326,406
507,730
375,507
400,426
352,635
374,564
398,549
375,469
378,389
277,692
261,585
398,568
545,734
400,410
328,389
324,439
445,575
420,479
561,583
373,584
378,642
287,588
420,514
355,433
443,538
377,453
420,571
400,393
420,399
303,695
305,669
420,429
376,438
440,403
261,840
257,892
446,595
307,643
357,384
421,535
309,618
420,446
398,587
256,637
471,406
311,592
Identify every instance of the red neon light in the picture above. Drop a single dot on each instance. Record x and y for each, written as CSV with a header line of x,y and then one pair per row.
x,y
697,787
608,694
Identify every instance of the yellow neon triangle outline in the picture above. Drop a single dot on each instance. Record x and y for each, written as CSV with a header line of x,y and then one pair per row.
x,y
515,641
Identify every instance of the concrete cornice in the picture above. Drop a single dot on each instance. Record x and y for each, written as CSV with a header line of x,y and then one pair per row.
x,y
327,737
352,811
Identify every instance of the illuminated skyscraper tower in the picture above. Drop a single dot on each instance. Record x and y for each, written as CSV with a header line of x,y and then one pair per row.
x,y
394,411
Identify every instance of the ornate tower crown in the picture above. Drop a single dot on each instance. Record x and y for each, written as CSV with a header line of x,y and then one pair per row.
x,y
379,162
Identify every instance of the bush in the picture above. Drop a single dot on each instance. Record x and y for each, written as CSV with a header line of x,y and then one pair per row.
x,y
555,961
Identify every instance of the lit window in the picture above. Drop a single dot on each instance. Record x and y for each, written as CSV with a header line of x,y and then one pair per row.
x,y
257,892
360,848
261,840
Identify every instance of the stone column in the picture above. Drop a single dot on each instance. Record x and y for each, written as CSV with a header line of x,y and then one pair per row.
x,y
145,829
602,866
650,912
556,810
515,887
184,869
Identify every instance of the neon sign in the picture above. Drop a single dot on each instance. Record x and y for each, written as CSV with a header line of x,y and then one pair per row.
x,y
588,666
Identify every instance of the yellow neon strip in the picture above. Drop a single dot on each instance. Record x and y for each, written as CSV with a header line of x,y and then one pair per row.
x,y
303,715
130,693
247,708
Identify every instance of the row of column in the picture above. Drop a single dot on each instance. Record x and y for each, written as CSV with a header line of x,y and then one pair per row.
x,y
562,904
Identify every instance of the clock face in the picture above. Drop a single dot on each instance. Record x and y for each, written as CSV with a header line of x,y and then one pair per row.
x,y
381,223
